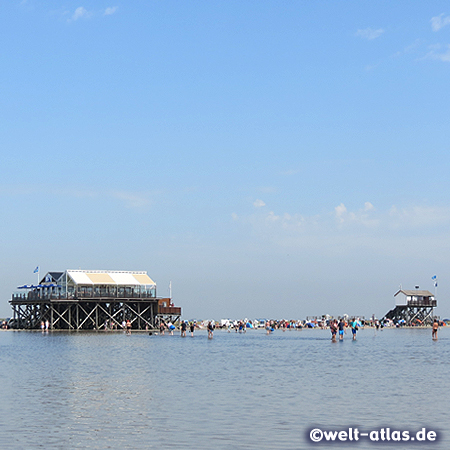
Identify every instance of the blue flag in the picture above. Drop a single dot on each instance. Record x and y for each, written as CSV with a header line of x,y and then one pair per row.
x,y
36,270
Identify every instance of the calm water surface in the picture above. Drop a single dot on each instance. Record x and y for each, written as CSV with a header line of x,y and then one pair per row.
x,y
109,390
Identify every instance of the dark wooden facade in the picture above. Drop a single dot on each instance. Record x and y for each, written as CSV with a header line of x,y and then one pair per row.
x,y
90,313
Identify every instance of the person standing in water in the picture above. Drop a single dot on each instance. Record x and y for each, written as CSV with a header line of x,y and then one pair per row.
x,y
341,327
354,328
210,330
435,330
183,328
192,328
333,329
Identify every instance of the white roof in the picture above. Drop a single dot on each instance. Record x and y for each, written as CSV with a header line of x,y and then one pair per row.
x,y
124,278
114,277
79,277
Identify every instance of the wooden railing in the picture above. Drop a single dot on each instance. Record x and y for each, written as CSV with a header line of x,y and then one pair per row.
x,y
422,303
174,310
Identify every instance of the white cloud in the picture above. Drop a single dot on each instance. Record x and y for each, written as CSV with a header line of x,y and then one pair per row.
x,y
81,13
365,218
437,54
258,203
439,22
360,217
272,217
369,33
110,10
340,211
342,229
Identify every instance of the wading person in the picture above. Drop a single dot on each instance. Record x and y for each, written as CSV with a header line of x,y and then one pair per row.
x,y
183,328
354,328
435,330
333,329
341,329
210,330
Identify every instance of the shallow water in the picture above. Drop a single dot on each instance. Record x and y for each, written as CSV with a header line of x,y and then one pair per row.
x,y
108,390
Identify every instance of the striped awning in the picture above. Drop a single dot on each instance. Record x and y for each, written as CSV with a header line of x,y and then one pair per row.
x,y
110,277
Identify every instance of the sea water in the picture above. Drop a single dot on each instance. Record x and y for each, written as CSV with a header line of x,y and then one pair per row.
x,y
251,391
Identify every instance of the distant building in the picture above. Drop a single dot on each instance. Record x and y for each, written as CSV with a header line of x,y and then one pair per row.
x,y
412,307
92,299
414,297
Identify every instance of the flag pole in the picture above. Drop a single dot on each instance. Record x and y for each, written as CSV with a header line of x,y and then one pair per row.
x,y
434,278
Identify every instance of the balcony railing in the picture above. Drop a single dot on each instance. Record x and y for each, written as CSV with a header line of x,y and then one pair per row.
x,y
40,295
423,302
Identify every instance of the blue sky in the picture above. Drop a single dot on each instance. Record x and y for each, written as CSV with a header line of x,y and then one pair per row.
x,y
270,158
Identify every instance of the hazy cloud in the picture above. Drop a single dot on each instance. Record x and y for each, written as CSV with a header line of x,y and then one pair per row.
x,y
110,10
258,203
340,212
272,217
410,49
81,13
418,217
366,222
439,22
132,200
369,33
439,53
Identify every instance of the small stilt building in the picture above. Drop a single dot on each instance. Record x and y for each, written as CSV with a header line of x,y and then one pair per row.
x,y
413,307
92,300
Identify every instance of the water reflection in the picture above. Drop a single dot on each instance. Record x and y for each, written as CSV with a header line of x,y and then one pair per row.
x,y
108,390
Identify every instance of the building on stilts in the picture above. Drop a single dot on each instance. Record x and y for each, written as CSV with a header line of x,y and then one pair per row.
x,y
413,307
92,300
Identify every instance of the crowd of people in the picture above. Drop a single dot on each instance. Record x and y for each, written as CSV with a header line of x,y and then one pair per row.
x,y
338,327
